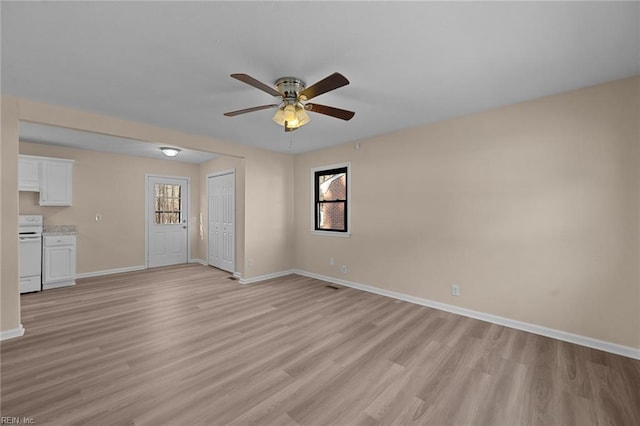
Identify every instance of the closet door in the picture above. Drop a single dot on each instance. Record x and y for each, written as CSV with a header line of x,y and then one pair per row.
x,y
222,212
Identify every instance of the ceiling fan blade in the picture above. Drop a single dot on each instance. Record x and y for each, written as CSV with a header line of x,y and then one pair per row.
x,y
257,84
325,85
246,110
342,114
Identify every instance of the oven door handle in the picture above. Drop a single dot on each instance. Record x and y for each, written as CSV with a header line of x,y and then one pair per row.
x,y
30,238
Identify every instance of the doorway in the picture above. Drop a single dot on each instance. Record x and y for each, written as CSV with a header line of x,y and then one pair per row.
x,y
221,196
167,200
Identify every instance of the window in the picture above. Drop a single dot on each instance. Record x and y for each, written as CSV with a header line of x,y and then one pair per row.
x,y
331,199
168,204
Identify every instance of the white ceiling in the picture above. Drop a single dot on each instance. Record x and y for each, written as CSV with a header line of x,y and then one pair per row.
x,y
409,63
72,138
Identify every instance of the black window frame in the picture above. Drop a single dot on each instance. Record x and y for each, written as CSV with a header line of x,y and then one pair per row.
x,y
317,202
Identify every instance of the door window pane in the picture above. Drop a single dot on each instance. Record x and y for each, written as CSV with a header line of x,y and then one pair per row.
x,y
168,204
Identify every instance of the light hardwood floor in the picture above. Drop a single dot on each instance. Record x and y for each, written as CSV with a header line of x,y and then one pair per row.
x,y
186,345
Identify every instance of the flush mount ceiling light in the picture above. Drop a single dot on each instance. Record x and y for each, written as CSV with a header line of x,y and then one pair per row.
x,y
169,151
292,111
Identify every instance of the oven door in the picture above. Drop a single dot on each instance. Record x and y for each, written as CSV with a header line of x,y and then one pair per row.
x,y
30,263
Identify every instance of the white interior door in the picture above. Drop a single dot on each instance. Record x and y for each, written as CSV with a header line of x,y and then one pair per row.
x,y
222,212
167,224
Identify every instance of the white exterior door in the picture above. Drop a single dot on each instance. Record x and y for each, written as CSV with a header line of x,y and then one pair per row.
x,y
167,224
222,212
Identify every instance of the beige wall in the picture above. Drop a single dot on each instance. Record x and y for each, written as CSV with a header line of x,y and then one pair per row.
x,y
269,167
269,216
532,209
114,186
9,280
218,165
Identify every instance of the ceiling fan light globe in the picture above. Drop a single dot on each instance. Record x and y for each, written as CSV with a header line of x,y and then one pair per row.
x,y
278,117
290,113
302,116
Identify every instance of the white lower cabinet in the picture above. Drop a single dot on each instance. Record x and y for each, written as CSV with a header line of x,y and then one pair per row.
x,y
58,261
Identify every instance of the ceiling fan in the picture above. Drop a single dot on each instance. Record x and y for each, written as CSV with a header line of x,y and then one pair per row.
x,y
292,110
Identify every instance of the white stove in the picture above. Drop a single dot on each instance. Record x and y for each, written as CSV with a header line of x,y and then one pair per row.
x,y
30,235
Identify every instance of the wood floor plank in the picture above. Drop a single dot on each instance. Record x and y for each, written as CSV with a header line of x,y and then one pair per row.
x,y
186,345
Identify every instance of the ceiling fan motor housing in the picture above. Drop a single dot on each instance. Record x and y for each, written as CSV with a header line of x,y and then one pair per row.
x,y
290,87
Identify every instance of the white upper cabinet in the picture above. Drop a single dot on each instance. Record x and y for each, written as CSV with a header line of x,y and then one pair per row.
x,y
56,182
52,177
28,173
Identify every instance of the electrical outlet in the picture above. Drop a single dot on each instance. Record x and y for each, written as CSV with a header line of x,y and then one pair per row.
x,y
250,262
98,217
332,261
344,269
455,290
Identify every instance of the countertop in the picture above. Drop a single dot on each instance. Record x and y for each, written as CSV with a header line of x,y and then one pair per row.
x,y
48,230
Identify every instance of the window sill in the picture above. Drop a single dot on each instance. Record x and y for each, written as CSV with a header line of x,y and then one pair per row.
x,y
331,233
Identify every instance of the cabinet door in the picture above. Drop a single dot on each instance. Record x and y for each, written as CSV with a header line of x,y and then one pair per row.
x,y
59,263
28,174
56,183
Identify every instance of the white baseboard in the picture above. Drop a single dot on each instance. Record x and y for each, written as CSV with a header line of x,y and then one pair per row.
x,y
110,271
518,325
10,334
266,277
126,269
59,284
